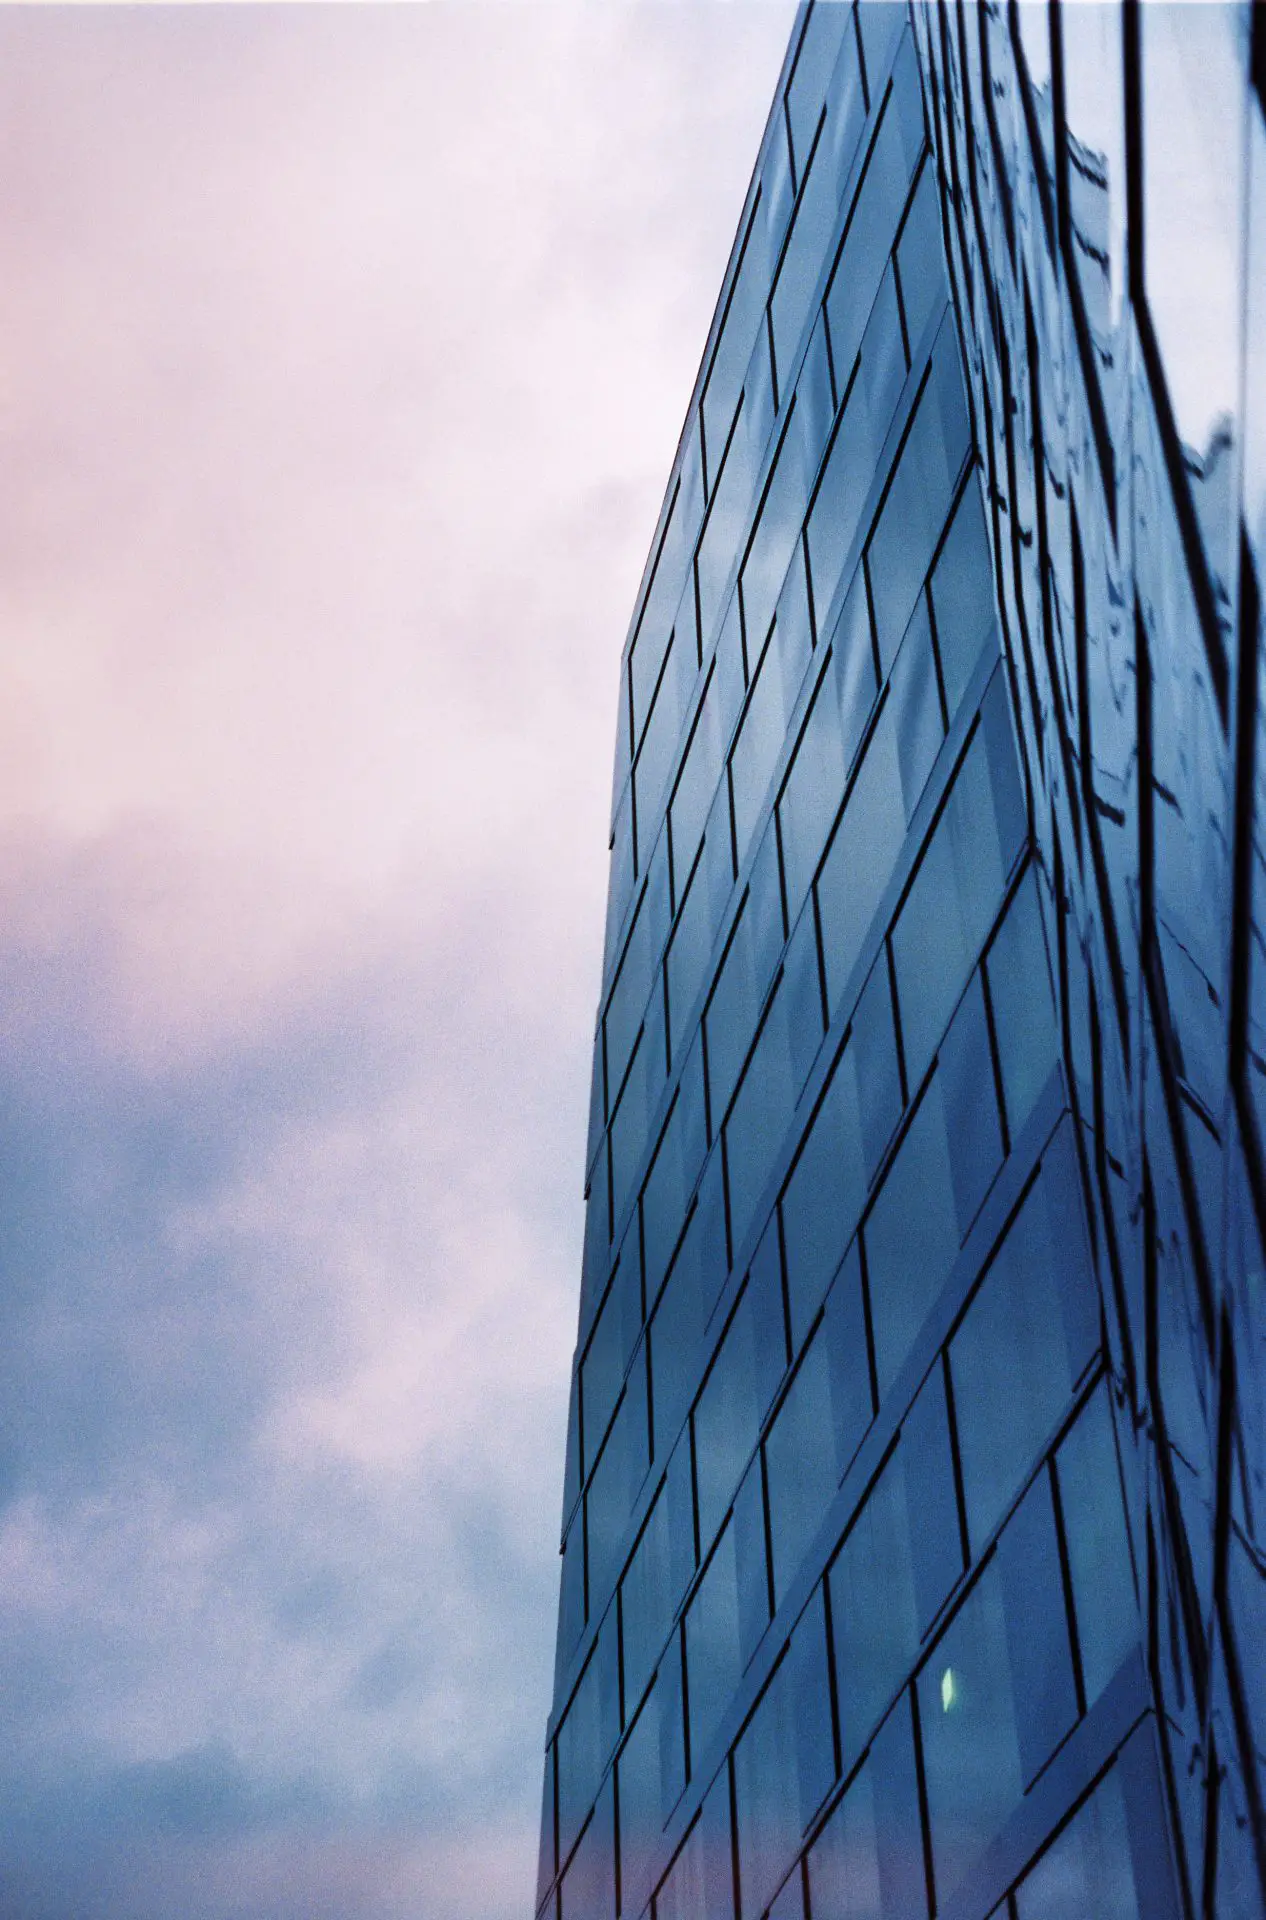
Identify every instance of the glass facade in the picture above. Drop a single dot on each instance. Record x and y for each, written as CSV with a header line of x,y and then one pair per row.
x,y
912,1548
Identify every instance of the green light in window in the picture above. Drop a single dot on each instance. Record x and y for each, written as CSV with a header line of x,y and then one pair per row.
x,y
949,1690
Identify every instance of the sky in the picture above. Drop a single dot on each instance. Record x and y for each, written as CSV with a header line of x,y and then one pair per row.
x,y
343,354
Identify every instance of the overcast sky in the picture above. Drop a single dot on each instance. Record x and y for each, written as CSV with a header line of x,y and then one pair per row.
x,y
343,355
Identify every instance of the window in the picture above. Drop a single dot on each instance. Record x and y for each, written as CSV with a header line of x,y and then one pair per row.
x,y
911,1237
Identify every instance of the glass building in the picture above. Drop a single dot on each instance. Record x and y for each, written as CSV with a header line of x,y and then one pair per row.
x,y
914,1520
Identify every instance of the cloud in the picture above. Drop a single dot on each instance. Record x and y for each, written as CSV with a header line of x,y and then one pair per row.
x,y
341,365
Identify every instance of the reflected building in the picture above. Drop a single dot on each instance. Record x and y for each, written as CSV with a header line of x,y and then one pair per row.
x,y
913,1535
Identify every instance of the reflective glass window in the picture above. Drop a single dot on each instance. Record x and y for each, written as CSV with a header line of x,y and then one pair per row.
x,y
1023,1004
801,264
616,1483
827,29
725,525
646,1602
757,746
783,1763
1098,1545
696,784
927,1471
873,1054
813,791
911,1237
920,258
1094,106
815,398
963,603
607,1354
641,1806
867,1862
800,1462
919,498
822,1199
586,1735
917,707
1088,1869
571,1595
714,1661
700,1884
1037,1629
759,1118
736,1393
861,857
874,1611
730,1022
744,314
803,987
588,1886
965,1074
853,663
777,527
971,1755
1034,1324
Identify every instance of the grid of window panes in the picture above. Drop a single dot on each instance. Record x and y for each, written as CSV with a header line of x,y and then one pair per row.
x,y
1103,180
849,1617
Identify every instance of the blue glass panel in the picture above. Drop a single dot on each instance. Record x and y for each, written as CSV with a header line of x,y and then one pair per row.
x,y
815,399
588,1885
801,266
917,705
873,1056
646,1603
867,1862
827,29
965,1074
696,784
783,1763
919,498
757,746
585,1736
853,654
700,1885
629,994
641,1807
800,1462
803,988
963,597
821,1200
924,287
713,1655
1023,1004
874,1613
751,1558
861,857
1032,1324
1088,1869
744,314
658,752
610,1344
847,1352
812,792
1098,1546
971,1756
880,26
764,909
571,1596
910,1237
758,1119
730,1024
775,534
616,1482
672,1726
927,1471
676,1336
724,527
1037,1628
728,1415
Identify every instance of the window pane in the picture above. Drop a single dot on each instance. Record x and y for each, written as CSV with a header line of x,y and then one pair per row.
x,y
911,1237
1098,1546
759,1119
860,860
971,1756
873,1610
822,1199
1037,1628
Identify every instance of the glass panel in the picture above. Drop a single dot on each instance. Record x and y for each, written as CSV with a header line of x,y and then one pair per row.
x,y
1023,1004
963,597
1088,1870
965,1073
821,1200
927,1470
647,1602
1037,1628
921,259
917,706
713,1653
1098,1546
971,1757
867,1862
873,1054
874,1614
738,1389
1034,1324
731,1018
783,1764
801,1464
812,792
911,1237
701,1883
829,25
920,496
616,1483
845,1332
586,1736
744,314
724,527
588,1886
861,857
759,1119
777,528
696,784
641,1809
757,747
